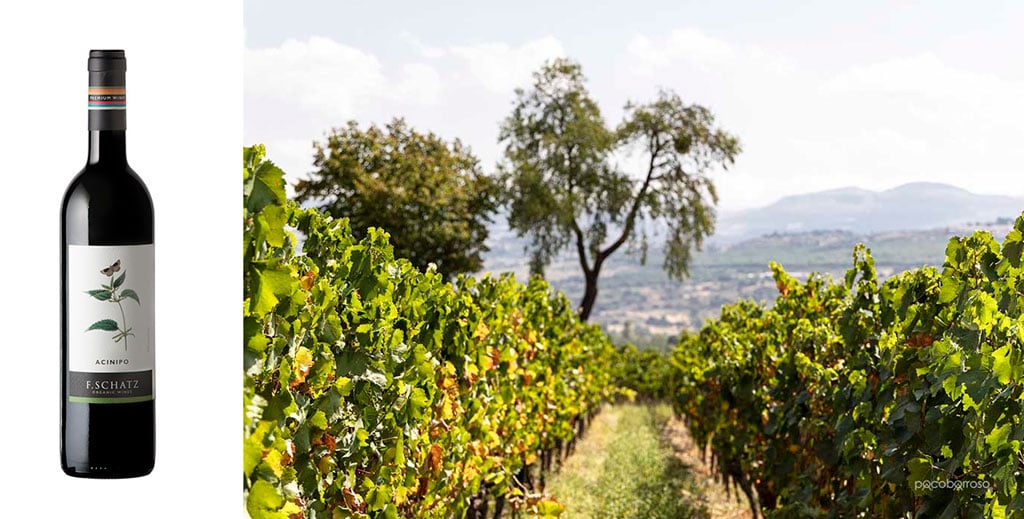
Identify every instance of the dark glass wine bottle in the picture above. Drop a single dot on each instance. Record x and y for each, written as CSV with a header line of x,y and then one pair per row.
x,y
107,285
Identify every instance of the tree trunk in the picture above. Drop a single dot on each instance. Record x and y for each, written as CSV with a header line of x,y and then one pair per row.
x,y
589,293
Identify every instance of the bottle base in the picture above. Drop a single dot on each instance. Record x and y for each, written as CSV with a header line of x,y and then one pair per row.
x,y
115,473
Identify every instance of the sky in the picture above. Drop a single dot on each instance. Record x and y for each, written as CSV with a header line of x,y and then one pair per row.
x,y
821,94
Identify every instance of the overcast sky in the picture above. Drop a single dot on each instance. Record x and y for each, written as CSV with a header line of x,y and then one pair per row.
x,y
822,95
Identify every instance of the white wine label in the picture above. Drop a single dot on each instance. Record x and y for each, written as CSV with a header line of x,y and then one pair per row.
x,y
110,323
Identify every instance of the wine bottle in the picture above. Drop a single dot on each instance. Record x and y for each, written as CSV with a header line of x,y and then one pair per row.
x,y
107,297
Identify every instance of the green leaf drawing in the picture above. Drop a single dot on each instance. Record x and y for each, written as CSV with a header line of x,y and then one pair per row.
x,y
102,295
131,293
119,280
107,325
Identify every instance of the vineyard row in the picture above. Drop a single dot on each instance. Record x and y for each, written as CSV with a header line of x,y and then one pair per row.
x,y
376,390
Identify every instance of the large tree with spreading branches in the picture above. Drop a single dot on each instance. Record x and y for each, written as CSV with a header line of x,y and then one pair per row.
x,y
430,195
565,185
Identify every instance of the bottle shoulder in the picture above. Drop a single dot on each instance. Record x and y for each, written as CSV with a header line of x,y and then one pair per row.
x,y
111,184
104,206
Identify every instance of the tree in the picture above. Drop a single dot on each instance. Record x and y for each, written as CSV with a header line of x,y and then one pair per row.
x,y
563,185
430,195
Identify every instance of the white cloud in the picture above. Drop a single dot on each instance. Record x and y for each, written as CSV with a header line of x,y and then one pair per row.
x,y
296,91
317,74
924,74
875,125
328,79
324,76
689,45
501,67
420,84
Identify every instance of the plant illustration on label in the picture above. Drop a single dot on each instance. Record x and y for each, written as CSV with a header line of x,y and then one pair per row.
x,y
110,294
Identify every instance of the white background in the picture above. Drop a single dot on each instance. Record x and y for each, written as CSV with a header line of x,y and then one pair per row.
x,y
184,84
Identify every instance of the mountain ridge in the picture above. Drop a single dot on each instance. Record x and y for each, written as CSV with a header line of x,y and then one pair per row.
x,y
911,206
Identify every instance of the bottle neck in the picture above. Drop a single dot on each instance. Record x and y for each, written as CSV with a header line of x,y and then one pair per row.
x,y
107,146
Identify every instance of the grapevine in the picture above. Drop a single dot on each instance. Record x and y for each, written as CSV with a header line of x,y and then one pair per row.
x,y
373,389
866,399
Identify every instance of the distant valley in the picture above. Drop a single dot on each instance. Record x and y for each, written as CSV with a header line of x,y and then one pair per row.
x,y
905,227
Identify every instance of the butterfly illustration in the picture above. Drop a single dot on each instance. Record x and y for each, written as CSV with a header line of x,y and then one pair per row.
x,y
109,271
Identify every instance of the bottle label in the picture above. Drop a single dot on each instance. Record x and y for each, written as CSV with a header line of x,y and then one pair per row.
x,y
106,97
110,323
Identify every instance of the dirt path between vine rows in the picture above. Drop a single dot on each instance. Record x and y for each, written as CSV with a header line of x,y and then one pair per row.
x,y
718,503
639,462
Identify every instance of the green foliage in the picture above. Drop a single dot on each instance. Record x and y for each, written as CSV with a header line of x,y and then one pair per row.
x,y
682,146
555,168
563,185
857,398
373,389
429,195
645,372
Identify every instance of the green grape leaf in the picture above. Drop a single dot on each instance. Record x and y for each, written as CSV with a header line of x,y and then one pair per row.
x,y
266,187
264,501
273,220
253,449
272,459
418,399
1001,365
998,437
1012,247
344,386
274,284
950,290
548,507
318,420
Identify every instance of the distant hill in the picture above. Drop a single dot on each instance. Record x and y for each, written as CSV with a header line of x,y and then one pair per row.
x,y
920,205
905,227
644,299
